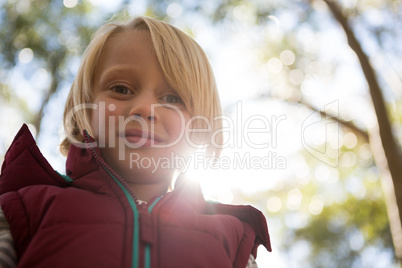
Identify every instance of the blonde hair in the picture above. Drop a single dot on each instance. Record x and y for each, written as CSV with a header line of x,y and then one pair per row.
x,y
183,62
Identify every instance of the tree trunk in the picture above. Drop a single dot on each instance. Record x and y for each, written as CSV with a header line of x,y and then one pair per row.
x,y
385,148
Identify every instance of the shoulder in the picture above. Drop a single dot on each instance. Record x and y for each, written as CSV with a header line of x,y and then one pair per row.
x,y
247,214
253,221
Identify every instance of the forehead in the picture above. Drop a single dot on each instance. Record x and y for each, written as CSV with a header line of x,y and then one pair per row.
x,y
126,43
129,49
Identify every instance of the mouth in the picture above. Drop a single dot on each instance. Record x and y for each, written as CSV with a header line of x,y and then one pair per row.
x,y
140,137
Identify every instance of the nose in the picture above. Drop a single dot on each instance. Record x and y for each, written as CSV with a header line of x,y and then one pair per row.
x,y
141,106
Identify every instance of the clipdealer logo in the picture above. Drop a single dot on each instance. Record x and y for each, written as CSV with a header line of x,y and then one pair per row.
x,y
239,161
239,132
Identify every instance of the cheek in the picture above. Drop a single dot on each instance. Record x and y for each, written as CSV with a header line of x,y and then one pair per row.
x,y
177,128
176,123
103,117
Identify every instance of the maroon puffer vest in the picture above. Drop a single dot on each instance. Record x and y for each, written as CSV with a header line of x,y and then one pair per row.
x,y
91,218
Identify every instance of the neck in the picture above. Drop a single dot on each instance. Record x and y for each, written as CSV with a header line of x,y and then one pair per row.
x,y
145,192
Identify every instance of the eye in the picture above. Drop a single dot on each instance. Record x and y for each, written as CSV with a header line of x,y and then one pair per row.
x,y
172,99
121,90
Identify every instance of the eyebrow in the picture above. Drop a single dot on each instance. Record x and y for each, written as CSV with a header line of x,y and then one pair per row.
x,y
120,69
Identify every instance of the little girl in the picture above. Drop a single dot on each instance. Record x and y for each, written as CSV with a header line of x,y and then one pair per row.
x,y
144,100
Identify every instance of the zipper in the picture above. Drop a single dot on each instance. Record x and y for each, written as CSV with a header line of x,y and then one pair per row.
x,y
147,262
136,237
132,200
65,177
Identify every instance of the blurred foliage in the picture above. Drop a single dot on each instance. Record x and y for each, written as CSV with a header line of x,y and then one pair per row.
x,y
329,217
54,35
353,219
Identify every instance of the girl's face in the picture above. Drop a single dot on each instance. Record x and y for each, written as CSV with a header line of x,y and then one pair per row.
x,y
139,121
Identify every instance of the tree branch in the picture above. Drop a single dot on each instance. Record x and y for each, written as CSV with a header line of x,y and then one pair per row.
x,y
348,124
54,63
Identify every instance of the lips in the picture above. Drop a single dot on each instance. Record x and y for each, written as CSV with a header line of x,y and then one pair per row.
x,y
140,137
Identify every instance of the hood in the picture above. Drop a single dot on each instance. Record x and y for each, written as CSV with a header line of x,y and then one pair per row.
x,y
24,165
